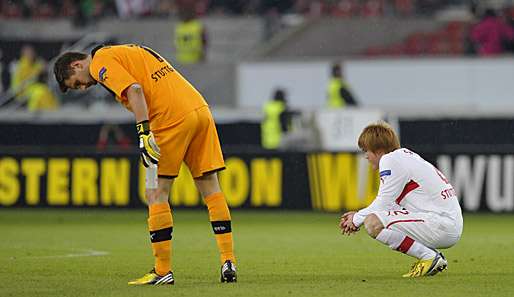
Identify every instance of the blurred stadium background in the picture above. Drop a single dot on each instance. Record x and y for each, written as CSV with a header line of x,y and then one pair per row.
x,y
428,67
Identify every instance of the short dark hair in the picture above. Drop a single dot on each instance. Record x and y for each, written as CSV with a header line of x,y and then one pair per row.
x,y
62,67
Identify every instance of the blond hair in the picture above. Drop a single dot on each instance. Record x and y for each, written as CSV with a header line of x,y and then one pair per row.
x,y
379,136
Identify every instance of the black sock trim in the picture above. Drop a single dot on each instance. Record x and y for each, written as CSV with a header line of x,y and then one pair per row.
x,y
221,227
161,235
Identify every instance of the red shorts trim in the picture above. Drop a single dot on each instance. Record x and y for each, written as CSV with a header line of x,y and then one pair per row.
x,y
403,221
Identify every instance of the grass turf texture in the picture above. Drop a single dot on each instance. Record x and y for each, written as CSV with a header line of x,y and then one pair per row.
x,y
279,254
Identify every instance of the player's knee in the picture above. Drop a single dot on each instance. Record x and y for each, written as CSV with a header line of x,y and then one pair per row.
x,y
208,184
373,225
159,195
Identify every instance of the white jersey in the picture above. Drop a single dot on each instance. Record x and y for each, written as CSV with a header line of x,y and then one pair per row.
x,y
409,182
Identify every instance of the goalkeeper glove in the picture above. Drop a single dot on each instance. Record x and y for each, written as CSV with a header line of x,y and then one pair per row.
x,y
148,148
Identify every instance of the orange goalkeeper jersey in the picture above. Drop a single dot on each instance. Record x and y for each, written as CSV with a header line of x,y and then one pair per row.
x,y
169,96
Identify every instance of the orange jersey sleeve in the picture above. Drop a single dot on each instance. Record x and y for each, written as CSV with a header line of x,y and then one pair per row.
x,y
168,95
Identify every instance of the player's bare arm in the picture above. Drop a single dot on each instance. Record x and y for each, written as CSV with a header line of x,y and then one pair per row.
x,y
136,98
150,152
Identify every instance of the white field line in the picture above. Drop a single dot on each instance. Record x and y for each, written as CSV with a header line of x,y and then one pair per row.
x,y
81,253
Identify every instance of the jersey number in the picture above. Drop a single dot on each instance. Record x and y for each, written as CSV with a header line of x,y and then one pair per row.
x,y
397,212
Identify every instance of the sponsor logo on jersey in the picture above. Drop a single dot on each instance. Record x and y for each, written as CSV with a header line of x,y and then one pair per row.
x,y
102,75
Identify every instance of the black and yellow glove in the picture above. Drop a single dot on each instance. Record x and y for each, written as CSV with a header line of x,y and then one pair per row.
x,y
148,148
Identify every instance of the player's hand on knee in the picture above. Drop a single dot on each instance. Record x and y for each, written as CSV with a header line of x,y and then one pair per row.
x,y
346,223
343,225
149,150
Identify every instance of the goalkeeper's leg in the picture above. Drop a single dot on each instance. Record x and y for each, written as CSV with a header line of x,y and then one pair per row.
x,y
219,216
160,226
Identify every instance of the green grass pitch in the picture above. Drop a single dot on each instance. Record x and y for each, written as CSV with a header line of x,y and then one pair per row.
x,y
43,253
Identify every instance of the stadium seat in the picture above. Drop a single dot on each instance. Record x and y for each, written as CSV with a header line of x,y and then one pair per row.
x,y
436,43
373,8
345,8
404,7
415,44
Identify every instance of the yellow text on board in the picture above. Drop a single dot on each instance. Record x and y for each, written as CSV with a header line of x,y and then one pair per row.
x,y
66,181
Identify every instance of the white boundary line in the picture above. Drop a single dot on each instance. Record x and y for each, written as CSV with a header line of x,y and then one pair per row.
x,y
81,253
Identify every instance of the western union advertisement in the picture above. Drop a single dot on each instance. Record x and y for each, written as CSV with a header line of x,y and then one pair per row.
x,y
325,181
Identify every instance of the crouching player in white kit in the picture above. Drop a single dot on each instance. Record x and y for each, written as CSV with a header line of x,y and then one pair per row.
x,y
416,210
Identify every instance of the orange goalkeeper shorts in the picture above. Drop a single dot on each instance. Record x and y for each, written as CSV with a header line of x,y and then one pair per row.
x,y
194,140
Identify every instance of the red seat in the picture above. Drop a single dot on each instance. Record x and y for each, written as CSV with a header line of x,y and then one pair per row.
x,y
415,44
436,43
373,8
404,7
373,51
345,8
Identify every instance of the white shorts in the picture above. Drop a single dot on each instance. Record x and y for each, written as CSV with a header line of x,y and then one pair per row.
x,y
432,230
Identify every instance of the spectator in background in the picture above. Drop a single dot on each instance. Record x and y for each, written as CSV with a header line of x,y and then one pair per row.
x,y
339,95
121,140
10,9
491,34
40,97
25,71
190,39
68,9
133,8
276,121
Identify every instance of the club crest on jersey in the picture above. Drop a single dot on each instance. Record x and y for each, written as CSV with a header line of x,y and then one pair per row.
x,y
102,75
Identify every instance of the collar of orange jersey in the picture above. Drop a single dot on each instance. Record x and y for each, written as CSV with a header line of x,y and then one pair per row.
x,y
95,49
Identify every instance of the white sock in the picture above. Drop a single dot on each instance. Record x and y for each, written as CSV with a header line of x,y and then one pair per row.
x,y
403,243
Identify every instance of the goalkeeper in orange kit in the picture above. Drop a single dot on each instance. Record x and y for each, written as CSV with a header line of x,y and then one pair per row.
x,y
174,124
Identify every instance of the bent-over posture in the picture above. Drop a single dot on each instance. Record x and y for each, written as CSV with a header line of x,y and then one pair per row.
x,y
174,124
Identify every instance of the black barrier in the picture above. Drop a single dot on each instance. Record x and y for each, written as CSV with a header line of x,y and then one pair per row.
x,y
444,136
239,134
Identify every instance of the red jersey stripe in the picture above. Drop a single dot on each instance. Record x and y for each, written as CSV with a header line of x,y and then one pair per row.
x,y
409,187
405,245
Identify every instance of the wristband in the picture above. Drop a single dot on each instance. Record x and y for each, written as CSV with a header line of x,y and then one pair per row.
x,y
143,127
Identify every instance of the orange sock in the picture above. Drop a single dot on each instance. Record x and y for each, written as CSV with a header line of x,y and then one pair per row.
x,y
219,215
160,225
